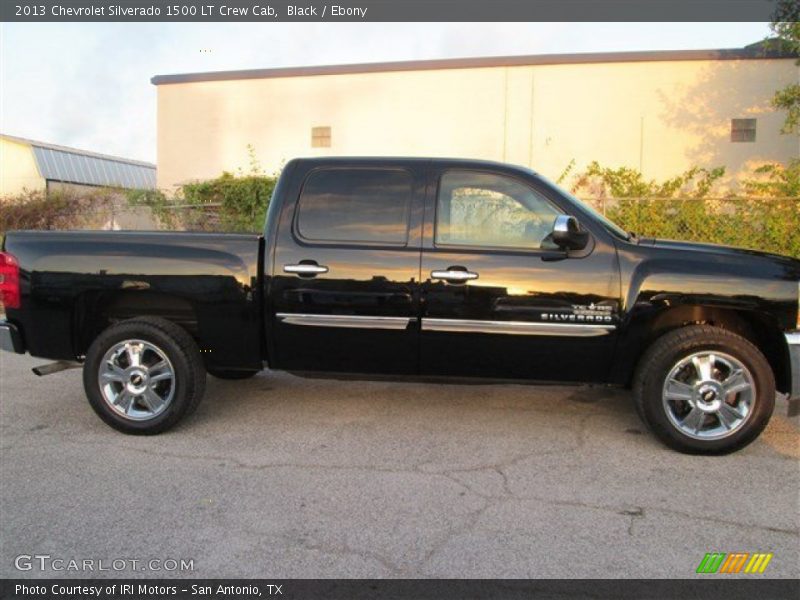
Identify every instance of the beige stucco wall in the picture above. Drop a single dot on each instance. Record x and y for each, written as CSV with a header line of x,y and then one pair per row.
x,y
662,117
18,169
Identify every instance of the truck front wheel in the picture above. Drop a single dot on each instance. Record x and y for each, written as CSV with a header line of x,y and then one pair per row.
x,y
704,390
144,375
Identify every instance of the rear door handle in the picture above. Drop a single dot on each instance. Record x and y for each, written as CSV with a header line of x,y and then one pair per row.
x,y
455,275
309,269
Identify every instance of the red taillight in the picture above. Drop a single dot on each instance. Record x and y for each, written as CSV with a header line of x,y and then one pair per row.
x,y
9,281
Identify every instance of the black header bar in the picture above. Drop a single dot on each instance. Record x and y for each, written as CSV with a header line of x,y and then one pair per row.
x,y
272,11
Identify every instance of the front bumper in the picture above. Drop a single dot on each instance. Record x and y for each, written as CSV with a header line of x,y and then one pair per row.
x,y
793,343
10,338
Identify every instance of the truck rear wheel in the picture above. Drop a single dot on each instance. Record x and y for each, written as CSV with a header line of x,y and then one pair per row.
x,y
704,390
143,375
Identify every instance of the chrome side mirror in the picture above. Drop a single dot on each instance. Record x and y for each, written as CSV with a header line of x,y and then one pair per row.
x,y
567,233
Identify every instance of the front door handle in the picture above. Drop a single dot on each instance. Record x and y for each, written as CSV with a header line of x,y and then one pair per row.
x,y
454,275
308,269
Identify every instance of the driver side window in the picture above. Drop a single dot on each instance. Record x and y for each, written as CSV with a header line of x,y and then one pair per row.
x,y
484,209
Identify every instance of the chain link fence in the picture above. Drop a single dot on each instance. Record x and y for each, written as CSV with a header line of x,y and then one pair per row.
x,y
768,224
192,217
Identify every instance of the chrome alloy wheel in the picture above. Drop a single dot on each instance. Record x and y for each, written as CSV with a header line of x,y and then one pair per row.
x,y
136,379
709,395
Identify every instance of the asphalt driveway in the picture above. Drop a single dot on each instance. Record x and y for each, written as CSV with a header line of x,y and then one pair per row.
x,y
284,477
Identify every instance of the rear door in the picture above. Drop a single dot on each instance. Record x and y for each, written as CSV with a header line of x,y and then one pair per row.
x,y
498,299
345,289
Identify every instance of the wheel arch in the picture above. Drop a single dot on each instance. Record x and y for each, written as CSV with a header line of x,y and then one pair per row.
x,y
94,312
758,328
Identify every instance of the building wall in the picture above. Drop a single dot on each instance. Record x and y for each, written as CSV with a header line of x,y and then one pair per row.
x,y
18,169
660,117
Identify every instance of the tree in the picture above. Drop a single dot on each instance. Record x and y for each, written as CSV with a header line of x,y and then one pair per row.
x,y
786,27
776,181
624,182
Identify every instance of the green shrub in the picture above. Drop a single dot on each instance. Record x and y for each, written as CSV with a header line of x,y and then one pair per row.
x,y
625,182
775,180
768,224
161,206
680,207
57,210
242,201
226,203
230,202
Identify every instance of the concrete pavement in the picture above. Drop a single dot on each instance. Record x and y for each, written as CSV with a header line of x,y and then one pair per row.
x,y
282,477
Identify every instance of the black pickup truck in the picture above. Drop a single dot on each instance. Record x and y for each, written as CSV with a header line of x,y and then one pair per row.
x,y
413,268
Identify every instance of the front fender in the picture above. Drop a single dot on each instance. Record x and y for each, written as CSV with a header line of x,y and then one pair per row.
x,y
664,289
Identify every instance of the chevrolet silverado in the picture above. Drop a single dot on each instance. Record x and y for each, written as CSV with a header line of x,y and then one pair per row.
x,y
413,268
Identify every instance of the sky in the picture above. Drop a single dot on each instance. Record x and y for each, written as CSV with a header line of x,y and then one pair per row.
x,y
87,85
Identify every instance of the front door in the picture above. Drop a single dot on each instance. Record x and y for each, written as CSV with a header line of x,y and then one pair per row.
x,y
345,286
498,299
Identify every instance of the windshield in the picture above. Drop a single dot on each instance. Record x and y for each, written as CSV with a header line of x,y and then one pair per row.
x,y
607,223
610,226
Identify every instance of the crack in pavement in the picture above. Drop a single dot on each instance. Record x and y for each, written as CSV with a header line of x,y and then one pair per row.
x,y
451,475
344,550
634,513
469,525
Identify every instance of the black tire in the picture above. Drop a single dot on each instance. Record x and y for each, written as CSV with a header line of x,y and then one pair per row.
x,y
187,368
666,352
230,374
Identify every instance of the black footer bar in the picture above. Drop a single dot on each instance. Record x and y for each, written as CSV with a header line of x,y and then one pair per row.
x,y
709,588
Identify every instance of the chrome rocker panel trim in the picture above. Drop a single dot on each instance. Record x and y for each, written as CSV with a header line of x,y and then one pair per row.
x,y
448,325
517,327
351,321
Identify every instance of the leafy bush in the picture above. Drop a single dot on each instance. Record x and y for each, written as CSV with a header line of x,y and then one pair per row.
x,y
226,203
775,180
625,182
161,206
769,224
242,201
230,202
57,210
680,207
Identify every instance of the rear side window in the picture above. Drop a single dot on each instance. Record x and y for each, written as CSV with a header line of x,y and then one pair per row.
x,y
355,205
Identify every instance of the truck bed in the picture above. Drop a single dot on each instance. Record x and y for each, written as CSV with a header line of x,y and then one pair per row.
x,y
78,282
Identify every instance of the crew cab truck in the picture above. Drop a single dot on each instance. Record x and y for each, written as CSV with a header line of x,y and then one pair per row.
x,y
413,268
